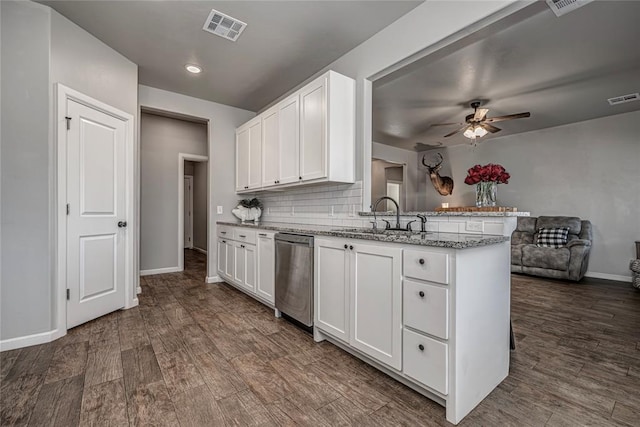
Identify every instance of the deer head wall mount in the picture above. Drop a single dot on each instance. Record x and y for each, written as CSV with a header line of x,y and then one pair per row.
x,y
442,184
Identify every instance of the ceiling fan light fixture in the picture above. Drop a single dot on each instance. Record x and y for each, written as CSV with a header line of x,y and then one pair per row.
x,y
480,131
469,133
475,131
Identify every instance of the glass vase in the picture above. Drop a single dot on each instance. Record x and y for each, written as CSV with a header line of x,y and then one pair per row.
x,y
486,193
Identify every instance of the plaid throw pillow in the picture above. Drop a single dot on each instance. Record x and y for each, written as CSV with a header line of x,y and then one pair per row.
x,y
552,237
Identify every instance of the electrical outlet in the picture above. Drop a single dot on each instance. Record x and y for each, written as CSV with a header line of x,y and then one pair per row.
x,y
219,210
475,226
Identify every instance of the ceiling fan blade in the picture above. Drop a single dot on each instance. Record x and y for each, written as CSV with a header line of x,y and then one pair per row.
x,y
480,114
447,124
456,131
490,128
509,117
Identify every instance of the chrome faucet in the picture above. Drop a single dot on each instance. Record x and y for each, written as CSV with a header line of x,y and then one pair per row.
x,y
423,222
388,227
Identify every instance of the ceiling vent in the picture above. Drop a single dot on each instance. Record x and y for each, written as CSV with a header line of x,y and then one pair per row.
x,y
223,25
624,98
561,7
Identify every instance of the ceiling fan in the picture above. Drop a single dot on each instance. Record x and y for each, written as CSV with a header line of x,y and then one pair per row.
x,y
477,125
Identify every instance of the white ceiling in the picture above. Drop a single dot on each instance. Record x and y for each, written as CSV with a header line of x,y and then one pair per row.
x,y
284,43
562,70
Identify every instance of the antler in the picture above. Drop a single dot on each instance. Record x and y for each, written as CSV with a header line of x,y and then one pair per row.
x,y
438,163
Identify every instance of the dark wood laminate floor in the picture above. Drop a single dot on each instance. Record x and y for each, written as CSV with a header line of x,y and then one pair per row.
x,y
194,354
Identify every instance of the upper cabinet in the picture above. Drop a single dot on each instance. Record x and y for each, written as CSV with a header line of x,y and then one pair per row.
x,y
309,137
249,155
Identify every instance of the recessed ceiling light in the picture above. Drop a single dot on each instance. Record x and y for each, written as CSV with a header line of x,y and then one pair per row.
x,y
193,68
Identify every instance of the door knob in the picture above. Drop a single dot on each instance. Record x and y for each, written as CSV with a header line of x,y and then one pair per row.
x,y
122,224
421,293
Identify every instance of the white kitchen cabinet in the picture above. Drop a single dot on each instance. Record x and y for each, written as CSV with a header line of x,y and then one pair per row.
x,y
307,138
246,260
332,293
289,127
359,296
265,280
249,155
244,267
271,147
376,302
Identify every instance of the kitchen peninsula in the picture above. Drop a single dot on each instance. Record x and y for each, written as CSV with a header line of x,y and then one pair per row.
x,y
429,309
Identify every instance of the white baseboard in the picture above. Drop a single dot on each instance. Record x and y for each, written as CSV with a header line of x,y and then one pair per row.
x,y
202,251
29,340
606,276
160,271
215,279
138,290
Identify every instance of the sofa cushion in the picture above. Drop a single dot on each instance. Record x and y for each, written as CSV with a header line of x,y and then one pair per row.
x,y
526,224
521,238
573,223
555,259
552,237
516,254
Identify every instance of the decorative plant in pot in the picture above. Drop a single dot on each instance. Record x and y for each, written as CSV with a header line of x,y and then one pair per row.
x,y
248,210
486,179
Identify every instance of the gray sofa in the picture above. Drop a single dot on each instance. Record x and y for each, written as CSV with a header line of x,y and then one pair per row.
x,y
569,262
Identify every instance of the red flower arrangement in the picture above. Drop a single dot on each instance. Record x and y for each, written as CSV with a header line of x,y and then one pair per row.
x,y
487,173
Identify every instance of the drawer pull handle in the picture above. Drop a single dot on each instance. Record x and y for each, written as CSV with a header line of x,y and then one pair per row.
x,y
262,234
223,232
421,261
421,293
346,246
421,347
243,236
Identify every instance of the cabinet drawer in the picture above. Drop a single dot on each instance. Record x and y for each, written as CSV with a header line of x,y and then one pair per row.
x,y
425,265
426,308
426,361
242,234
225,232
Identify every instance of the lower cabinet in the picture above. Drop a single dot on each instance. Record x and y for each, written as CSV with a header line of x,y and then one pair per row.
x,y
359,296
426,360
248,263
265,280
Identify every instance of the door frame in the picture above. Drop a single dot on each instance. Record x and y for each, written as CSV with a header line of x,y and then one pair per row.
x,y
62,95
181,158
190,179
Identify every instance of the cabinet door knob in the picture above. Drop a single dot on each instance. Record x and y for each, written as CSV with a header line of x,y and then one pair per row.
x,y
421,293
299,177
242,246
224,241
421,347
346,246
351,247
421,261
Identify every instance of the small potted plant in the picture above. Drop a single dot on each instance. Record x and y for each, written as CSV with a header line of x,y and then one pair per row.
x,y
248,210
486,179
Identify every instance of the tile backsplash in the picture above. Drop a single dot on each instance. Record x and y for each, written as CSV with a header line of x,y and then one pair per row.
x,y
333,204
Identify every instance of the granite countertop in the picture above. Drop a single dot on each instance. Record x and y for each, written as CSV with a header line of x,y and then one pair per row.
x,y
440,240
433,213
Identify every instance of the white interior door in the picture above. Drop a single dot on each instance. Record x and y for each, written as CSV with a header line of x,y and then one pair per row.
x,y
188,211
96,220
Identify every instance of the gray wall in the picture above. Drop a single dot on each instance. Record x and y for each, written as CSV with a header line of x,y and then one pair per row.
x,y
25,171
200,205
222,123
588,169
161,140
41,48
414,199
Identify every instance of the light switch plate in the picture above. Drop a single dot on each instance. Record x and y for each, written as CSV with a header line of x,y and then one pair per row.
x,y
219,210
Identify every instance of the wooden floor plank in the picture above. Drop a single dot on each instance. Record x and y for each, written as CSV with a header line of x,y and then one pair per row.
x,y
202,354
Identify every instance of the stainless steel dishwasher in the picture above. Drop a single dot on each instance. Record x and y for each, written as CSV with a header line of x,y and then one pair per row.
x,y
294,277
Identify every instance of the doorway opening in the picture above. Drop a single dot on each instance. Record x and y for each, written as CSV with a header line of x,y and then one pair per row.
x,y
173,158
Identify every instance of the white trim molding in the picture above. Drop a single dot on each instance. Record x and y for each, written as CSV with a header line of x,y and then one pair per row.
x,y
63,94
606,276
215,279
181,158
160,271
202,251
29,340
